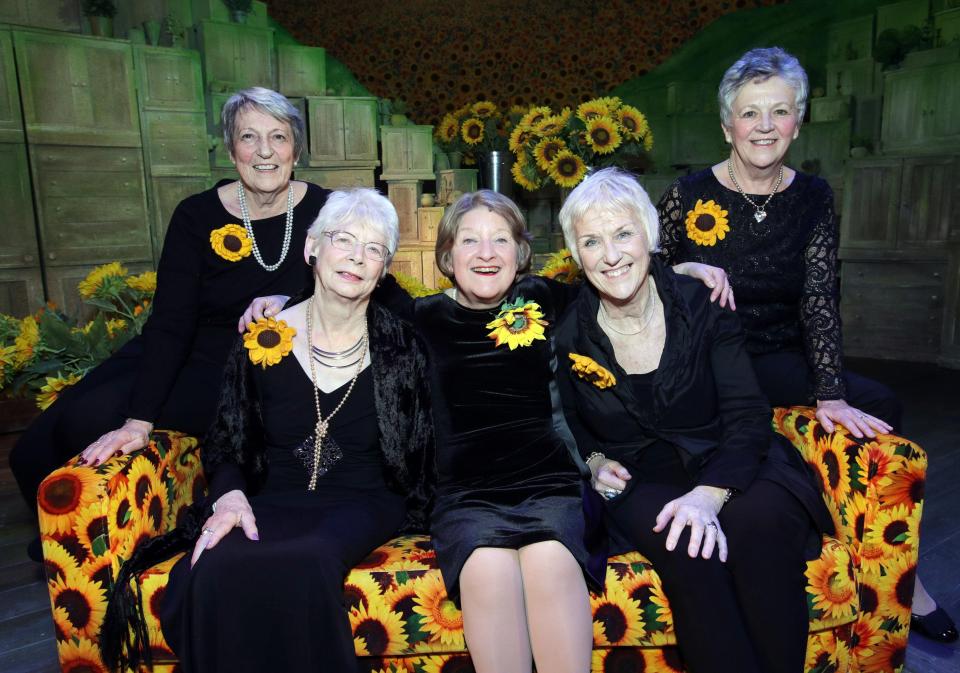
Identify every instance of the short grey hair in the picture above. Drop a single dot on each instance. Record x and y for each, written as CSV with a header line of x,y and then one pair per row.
x,y
360,205
268,102
610,191
760,65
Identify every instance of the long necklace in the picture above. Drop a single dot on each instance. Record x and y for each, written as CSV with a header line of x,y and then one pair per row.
x,y
761,210
287,232
651,302
323,424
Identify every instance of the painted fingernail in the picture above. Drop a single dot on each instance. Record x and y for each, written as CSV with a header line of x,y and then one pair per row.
x,y
118,453
255,536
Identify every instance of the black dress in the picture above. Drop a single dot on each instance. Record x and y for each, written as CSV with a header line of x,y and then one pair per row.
x,y
784,275
170,375
507,472
276,604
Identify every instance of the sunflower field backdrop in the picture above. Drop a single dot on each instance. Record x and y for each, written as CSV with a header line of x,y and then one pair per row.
x,y
43,354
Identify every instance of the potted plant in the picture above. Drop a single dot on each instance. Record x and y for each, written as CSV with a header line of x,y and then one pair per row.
x,y
239,9
100,14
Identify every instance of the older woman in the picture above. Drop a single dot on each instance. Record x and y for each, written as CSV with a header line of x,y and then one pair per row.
x,y
663,402
322,449
223,247
753,225
508,523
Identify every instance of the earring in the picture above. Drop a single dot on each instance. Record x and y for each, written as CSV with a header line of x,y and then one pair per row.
x,y
312,261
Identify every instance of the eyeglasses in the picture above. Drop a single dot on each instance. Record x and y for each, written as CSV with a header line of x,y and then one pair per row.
x,y
344,240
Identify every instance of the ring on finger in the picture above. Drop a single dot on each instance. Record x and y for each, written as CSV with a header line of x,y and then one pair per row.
x,y
208,531
712,524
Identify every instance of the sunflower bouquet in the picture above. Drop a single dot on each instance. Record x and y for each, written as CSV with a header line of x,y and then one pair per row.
x,y
45,353
560,147
477,128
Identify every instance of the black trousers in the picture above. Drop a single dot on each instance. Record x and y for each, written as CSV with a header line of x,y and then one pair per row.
x,y
98,404
747,615
787,380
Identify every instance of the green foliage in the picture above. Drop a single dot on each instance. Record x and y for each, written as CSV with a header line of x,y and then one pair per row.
x,y
99,8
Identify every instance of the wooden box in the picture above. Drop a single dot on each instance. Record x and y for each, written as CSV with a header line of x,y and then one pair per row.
x,y
407,152
455,180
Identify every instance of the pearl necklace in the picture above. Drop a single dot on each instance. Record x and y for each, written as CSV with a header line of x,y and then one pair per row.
x,y
761,210
651,302
287,232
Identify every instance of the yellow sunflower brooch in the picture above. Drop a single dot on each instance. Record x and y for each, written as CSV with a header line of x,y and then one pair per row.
x,y
591,371
268,340
706,223
519,323
231,242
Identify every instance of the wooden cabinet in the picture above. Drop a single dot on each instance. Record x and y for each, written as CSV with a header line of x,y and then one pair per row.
x,y
91,204
929,201
428,222
175,143
455,180
871,203
166,193
11,123
857,78
824,144
407,152
169,79
921,109
54,14
18,234
236,56
301,71
21,291
405,197
337,178
77,90
343,131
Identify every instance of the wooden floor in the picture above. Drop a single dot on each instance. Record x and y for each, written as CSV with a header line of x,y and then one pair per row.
x,y
931,397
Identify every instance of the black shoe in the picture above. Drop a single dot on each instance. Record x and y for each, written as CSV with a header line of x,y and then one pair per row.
x,y
936,626
35,550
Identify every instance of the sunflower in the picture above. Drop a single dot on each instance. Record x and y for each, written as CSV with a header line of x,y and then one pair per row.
x,y
376,632
833,593
64,492
560,267
90,527
889,654
866,632
447,663
519,137
359,589
51,390
893,528
268,340
534,116
58,563
155,508
602,135
855,513
145,282
80,656
906,486
381,558
591,371
833,467
706,223
617,619
567,170
99,569
85,602
441,617
875,465
472,131
633,121
88,286
659,598
546,150
663,659
549,126
62,628
115,326
119,511
152,588
137,534
26,341
565,115
483,109
519,323
618,660
231,242
592,109
402,599
523,174
142,478
448,129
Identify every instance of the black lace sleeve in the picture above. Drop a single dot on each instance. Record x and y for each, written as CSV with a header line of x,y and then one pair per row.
x,y
819,309
670,209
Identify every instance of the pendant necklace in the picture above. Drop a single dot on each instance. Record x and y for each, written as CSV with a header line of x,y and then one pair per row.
x,y
761,210
287,232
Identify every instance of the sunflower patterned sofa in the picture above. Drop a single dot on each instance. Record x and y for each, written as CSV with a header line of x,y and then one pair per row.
x,y
859,590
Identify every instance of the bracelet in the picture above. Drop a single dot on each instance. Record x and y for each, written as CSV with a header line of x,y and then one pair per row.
x,y
726,496
595,454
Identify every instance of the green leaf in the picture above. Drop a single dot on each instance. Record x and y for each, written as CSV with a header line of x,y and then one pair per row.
x,y
55,333
101,304
402,577
100,545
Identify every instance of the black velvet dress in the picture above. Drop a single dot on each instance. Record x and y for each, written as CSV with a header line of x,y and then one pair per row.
x,y
507,476
277,604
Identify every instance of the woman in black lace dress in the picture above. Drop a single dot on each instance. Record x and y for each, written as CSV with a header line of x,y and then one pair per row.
x,y
756,226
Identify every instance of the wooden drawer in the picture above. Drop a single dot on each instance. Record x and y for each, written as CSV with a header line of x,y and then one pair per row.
x,y
21,291
176,143
409,262
893,309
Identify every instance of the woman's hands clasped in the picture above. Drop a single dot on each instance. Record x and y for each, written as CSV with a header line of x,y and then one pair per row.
x,y
261,307
698,509
830,412
231,510
131,436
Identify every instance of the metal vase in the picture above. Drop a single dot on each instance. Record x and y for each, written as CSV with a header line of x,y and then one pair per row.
x,y
495,173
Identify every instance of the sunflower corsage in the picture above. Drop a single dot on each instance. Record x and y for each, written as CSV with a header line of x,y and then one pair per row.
x,y
519,323
591,371
267,341
231,242
706,223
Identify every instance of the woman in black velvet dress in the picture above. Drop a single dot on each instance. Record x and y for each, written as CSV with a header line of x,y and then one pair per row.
x,y
210,268
756,226
665,407
297,499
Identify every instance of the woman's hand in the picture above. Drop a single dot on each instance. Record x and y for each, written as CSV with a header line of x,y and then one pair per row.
x,y
609,477
830,412
713,277
699,509
261,307
132,435
232,511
